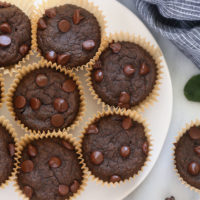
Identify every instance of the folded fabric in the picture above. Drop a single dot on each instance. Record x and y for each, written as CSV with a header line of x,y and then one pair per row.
x,y
177,20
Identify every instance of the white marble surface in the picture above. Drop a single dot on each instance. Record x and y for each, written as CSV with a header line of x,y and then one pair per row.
x,y
162,181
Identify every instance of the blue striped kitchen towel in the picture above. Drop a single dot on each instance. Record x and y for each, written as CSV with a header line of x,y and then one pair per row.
x,y
177,20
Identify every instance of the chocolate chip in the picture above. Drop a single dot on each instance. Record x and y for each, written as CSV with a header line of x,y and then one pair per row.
x,y
127,123
69,85
11,148
96,157
57,120
88,45
42,24
51,56
77,17
170,198
75,186
97,65
41,80
51,13
28,191
145,148
194,133
115,178
92,129
54,162
20,102
5,40
116,47
125,151
64,26
63,59
23,49
197,150
144,69
63,190
35,103
98,75
32,151
5,28
129,70
27,166
193,168
124,98
60,105
67,145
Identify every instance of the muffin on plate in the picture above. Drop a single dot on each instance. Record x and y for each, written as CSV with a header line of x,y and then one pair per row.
x,y
115,146
68,35
15,35
127,73
124,75
45,99
49,168
7,151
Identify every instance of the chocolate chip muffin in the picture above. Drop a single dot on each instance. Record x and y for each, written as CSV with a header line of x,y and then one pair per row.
x,y
15,35
115,148
46,99
187,156
68,35
7,151
124,75
49,169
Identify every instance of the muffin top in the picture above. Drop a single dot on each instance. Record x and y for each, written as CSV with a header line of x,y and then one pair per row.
x,y
115,148
15,35
46,99
49,169
187,156
124,75
68,35
7,151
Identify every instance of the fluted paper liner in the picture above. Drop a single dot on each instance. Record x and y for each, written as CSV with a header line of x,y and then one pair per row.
x,y
2,89
28,69
154,51
180,135
81,3
133,115
29,138
27,8
5,123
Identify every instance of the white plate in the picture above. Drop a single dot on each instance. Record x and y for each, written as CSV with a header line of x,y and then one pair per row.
x,y
158,116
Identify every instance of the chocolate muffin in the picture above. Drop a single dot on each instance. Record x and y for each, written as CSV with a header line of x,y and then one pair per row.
x,y
15,35
124,75
115,148
49,169
7,151
187,156
46,99
68,35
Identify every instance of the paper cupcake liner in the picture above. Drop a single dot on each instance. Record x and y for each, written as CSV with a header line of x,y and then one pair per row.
x,y
5,123
27,69
63,135
2,89
152,50
133,115
180,135
27,8
81,3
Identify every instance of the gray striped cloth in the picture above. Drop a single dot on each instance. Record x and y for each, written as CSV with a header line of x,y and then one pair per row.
x,y
177,20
